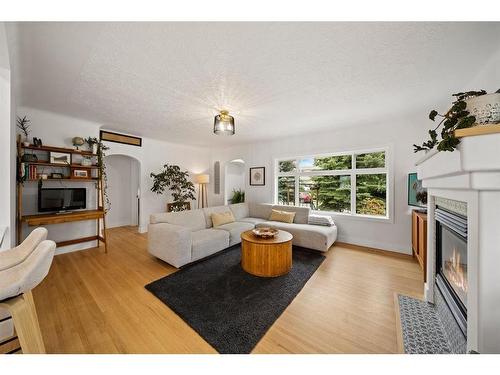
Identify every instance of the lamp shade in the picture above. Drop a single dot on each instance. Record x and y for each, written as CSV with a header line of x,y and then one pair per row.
x,y
224,124
202,179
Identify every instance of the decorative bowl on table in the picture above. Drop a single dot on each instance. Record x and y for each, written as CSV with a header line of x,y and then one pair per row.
x,y
265,232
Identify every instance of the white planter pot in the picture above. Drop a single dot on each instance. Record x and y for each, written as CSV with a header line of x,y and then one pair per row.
x,y
86,162
94,148
486,108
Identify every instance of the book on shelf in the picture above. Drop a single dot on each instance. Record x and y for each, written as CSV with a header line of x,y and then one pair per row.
x,y
30,171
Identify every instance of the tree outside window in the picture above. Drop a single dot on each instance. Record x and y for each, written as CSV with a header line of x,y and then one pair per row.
x,y
326,183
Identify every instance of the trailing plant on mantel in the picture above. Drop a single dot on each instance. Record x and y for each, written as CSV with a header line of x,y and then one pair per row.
x,y
175,180
457,117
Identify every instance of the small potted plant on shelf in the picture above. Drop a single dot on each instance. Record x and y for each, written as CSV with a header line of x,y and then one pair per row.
x,y
93,143
175,180
24,126
469,109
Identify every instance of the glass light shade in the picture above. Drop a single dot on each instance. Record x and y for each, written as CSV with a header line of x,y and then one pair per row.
x,y
202,179
224,124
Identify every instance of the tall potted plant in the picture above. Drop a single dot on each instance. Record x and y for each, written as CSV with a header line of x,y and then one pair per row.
x,y
176,181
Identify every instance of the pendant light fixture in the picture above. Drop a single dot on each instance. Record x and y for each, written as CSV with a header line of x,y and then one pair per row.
x,y
224,123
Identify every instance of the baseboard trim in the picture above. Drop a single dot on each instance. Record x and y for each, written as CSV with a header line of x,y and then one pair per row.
x,y
373,250
118,224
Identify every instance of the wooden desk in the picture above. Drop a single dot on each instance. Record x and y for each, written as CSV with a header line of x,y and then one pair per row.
x,y
47,219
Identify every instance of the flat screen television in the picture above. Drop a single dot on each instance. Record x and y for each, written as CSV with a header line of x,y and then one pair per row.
x,y
417,195
61,199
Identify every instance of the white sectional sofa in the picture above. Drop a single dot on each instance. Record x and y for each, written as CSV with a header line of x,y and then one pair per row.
x,y
180,238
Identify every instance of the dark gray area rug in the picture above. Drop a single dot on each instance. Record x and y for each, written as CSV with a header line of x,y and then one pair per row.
x,y
422,330
228,307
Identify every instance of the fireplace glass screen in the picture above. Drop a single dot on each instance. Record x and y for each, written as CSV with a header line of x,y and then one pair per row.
x,y
454,262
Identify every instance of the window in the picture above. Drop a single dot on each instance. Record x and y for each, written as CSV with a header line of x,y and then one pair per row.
x,y
354,183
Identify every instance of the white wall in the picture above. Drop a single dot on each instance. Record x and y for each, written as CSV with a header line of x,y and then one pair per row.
x,y
7,168
58,130
123,185
397,133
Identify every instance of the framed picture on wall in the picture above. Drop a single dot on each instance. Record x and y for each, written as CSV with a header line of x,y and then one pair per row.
x,y
80,173
60,158
257,176
417,195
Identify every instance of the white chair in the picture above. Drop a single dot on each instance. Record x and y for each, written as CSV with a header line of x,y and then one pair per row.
x,y
22,269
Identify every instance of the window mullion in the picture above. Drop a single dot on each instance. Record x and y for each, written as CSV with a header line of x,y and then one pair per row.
x,y
297,189
371,171
353,185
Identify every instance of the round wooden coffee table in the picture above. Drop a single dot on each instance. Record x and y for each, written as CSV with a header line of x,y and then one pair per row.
x,y
266,257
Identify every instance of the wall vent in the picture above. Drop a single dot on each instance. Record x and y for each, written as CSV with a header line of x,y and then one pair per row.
x,y
217,177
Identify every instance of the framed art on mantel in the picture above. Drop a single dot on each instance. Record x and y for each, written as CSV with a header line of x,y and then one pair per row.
x,y
258,176
417,195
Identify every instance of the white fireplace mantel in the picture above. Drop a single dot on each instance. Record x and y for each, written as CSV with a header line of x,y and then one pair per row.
x,y
471,174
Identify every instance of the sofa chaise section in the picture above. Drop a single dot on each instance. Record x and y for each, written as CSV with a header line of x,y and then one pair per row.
x,y
313,237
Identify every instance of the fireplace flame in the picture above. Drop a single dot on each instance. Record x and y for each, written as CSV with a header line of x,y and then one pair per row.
x,y
456,272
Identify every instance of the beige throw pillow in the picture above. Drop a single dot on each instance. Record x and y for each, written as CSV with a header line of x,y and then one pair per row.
x,y
222,218
283,216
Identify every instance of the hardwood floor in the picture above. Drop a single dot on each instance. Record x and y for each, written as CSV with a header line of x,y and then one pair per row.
x,y
93,302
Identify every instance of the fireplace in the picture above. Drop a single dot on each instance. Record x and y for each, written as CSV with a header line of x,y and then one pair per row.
x,y
451,263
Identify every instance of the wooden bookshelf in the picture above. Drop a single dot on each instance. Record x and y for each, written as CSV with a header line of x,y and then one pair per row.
x,y
98,214
56,165
58,149
91,179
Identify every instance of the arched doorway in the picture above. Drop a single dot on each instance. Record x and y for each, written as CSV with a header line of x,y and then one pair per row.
x,y
123,173
234,178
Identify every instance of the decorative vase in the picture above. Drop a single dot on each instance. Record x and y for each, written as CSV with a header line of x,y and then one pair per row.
x,y
26,144
94,148
486,108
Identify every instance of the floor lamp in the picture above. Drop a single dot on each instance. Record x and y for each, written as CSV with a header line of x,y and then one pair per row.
x,y
202,180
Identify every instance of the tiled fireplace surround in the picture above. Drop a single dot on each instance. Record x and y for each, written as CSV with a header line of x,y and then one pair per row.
x,y
468,178
456,338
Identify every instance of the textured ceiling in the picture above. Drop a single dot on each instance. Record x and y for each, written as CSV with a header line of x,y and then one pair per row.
x,y
167,80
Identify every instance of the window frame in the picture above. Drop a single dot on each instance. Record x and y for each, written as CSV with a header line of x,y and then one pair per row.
x,y
353,172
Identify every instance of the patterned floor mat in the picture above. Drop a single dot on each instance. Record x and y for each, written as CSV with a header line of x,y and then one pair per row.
x,y
422,330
